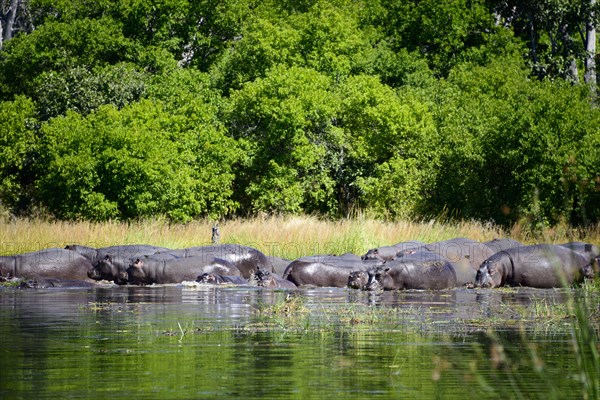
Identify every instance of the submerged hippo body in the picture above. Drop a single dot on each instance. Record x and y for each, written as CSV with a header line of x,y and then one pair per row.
x,y
498,245
538,266
389,253
464,254
148,271
114,268
278,265
267,279
44,283
123,251
358,280
245,259
589,251
325,271
423,270
48,263
216,279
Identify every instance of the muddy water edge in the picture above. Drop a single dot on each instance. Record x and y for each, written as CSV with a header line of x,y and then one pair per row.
x,y
221,342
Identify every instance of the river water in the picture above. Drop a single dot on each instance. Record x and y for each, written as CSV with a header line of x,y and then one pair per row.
x,y
193,342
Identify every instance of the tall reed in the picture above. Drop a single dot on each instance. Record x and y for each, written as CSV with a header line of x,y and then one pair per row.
x,y
287,237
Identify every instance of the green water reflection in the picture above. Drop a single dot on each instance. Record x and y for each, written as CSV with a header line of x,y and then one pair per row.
x,y
164,343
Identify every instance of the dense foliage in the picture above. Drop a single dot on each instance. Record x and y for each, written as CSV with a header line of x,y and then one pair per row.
x,y
404,109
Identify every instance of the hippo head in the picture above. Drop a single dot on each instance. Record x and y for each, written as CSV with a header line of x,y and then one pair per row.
x,y
358,280
372,254
208,278
264,278
104,270
488,275
377,278
7,267
136,274
588,271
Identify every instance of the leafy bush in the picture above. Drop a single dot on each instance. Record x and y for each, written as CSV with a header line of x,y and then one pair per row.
x,y
133,163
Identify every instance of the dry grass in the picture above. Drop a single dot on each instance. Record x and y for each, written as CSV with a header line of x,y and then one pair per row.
x,y
287,237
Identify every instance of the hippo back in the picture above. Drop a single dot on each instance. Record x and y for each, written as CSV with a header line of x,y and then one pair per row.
x,y
465,255
245,259
52,263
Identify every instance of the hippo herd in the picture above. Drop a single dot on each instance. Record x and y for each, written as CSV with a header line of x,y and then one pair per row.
x,y
407,265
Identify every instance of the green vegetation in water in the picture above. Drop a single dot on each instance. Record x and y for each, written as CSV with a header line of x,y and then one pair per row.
x,y
10,282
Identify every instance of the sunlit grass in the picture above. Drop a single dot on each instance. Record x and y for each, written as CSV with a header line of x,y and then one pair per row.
x,y
287,237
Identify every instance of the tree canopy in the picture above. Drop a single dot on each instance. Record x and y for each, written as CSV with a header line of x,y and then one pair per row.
x,y
482,109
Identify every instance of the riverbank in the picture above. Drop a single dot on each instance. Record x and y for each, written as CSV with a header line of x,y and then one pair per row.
x,y
287,237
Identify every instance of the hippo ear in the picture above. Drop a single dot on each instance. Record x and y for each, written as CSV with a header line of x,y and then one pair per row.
x,y
107,257
138,263
386,270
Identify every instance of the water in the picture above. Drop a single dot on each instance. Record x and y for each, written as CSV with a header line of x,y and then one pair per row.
x,y
213,342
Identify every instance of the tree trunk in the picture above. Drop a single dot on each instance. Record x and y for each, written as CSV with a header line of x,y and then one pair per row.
x,y
7,20
590,51
532,34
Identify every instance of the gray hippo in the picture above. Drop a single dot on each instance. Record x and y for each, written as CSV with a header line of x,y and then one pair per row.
x,y
278,265
245,259
48,263
358,280
108,262
538,266
45,283
425,271
590,251
325,271
267,279
465,255
123,251
388,253
502,244
147,271
114,268
216,279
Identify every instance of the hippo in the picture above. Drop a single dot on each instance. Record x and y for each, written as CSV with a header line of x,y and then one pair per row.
x,y
425,271
590,251
216,279
502,244
123,251
114,268
278,265
245,259
147,271
464,254
47,263
358,280
331,271
45,283
538,266
267,279
388,253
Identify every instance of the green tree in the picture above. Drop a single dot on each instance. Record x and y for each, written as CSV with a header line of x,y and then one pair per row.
x,y
83,91
17,142
445,33
282,123
516,144
387,148
57,47
133,163
560,34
